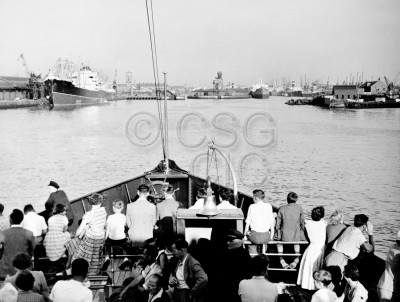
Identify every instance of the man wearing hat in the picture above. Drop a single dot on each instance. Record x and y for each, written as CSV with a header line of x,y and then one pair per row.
x,y
57,196
232,266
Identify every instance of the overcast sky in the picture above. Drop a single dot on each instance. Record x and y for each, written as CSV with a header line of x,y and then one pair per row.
x,y
245,39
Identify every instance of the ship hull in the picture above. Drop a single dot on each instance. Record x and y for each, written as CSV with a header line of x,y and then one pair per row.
x,y
260,94
64,93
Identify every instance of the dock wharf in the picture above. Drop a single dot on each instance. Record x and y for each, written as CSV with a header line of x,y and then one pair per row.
x,y
23,103
367,105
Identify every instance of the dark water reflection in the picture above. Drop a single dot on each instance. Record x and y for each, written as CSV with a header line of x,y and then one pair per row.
x,y
343,159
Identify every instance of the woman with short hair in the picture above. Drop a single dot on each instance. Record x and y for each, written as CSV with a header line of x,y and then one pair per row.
x,y
334,229
314,254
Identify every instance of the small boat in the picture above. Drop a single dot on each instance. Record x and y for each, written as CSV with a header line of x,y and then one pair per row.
x,y
296,102
336,103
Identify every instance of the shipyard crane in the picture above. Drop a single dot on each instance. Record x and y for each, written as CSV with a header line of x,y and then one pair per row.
x,y
395,81
22,58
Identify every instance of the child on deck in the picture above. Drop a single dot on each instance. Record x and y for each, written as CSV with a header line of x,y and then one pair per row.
x,y
115,232
289,227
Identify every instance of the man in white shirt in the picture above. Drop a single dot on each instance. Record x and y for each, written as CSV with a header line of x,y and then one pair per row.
x,y
260,222
226,197
34,223
141,217
198,205
349,244
73,290
258,288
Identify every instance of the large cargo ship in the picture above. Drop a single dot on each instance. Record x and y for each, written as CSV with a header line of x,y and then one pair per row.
x,y
79,88
260,90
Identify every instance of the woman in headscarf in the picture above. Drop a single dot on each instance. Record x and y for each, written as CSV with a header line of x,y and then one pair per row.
x,y
90,236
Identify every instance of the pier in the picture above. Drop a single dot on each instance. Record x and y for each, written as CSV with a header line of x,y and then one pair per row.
x,y
367,105
8,104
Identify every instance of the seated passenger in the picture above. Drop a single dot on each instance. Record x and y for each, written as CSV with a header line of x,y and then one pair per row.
x,y
115,232
14,240
201,194
188,279
8,293
137,285
258,288
389,283
289,227
354,291
23,262
260,222
73,290
24,282
58,236
156,292
322,280
226,198
34,223
4,221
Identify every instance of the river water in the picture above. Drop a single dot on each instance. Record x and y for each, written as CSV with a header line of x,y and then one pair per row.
x,y
341,159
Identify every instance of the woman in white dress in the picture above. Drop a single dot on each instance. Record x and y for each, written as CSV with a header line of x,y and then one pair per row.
x,y
313,256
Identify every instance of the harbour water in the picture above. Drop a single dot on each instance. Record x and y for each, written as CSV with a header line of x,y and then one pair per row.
x,y
341,159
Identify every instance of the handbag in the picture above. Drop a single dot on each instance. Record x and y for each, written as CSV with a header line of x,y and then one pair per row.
x,y
83,227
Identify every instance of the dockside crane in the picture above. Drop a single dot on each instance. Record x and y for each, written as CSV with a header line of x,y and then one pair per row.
x,y
27,70
22,58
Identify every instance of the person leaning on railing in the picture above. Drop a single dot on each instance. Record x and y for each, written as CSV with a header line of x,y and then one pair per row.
x,y
351,242
289,227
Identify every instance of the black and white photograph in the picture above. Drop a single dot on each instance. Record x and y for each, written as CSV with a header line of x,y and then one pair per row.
x,y
199,151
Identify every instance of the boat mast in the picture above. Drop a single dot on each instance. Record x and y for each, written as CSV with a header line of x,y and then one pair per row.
x,y
166,125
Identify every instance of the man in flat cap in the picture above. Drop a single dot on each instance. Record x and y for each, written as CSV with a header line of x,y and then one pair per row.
x,y
232,266
57,196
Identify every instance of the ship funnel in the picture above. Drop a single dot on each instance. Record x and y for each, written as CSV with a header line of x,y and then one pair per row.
x,y
210,207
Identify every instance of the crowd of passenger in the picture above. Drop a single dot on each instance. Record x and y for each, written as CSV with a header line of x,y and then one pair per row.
x,y
229,266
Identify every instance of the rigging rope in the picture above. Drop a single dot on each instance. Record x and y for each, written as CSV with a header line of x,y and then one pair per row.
x,y
155,71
